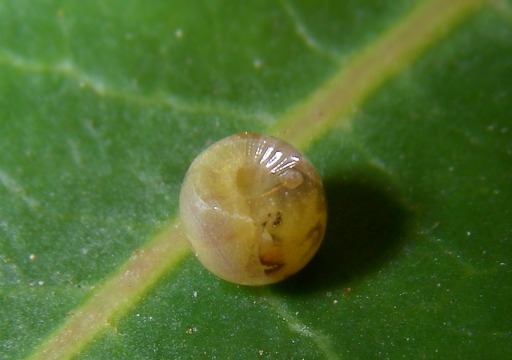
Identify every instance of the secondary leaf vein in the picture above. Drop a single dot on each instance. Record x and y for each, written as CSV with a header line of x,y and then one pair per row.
x,y
15,188
305,35
297,326
85,81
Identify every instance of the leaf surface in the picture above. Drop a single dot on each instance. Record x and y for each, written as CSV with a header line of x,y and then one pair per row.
x,y
403,106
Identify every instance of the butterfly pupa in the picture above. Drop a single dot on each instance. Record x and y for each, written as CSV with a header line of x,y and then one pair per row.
x,y
253,209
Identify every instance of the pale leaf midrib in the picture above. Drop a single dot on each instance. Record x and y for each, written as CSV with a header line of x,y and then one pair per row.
x,y
117,294
333,102
330,104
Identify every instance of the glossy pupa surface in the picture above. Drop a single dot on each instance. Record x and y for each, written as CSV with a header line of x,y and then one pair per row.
x,y
253,209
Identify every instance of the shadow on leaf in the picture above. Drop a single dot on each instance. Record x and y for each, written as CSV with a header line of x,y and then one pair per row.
x,y
365,229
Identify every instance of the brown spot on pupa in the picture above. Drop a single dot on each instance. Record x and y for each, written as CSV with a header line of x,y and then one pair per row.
x,y
279,219
264,223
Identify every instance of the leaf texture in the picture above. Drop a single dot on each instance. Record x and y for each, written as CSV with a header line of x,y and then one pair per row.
x,y
404,107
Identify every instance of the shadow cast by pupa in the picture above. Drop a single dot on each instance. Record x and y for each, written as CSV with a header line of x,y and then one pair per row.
x,y
366,227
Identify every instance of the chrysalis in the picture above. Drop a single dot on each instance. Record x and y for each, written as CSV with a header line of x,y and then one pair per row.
x,y
253,209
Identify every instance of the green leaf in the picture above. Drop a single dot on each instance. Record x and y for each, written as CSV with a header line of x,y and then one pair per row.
x,y
404,106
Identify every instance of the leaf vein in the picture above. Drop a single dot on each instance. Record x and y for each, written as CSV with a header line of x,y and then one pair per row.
x,y
448,252
305,35
332,103
15,188
294,324
335,101
70,70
